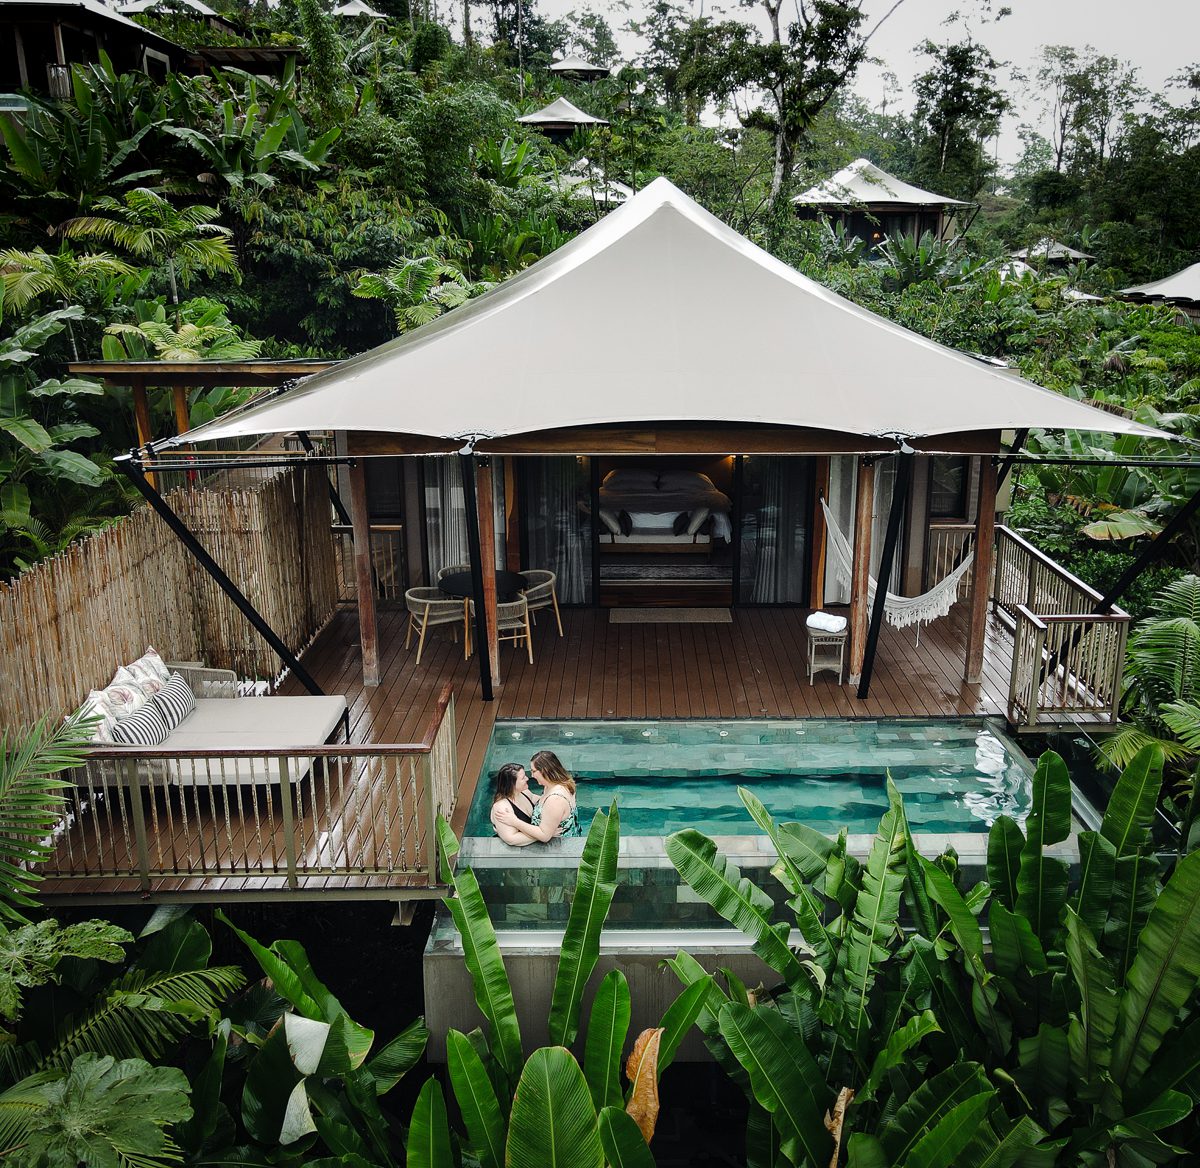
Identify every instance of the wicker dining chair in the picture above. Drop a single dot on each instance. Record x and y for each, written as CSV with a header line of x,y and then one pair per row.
x,y
450,569
431,606
512,623
541,593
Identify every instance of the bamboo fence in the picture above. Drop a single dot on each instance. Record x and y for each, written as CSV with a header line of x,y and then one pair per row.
x,y
67,624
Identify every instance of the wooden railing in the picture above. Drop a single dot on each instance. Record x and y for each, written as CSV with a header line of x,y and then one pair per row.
x,y
1067,658
948,543
388,568
296,815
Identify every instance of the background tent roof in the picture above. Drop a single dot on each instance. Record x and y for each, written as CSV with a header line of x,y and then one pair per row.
x,y
862,183
561,112
574,64
659,313
1183,285
1051,249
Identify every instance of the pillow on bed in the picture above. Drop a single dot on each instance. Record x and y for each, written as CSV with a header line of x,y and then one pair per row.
x,y
626,522
610,521
674,480
699,518
145,728
681,523
634,478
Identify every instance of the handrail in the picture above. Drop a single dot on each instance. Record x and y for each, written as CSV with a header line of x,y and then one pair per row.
x,y
1051,565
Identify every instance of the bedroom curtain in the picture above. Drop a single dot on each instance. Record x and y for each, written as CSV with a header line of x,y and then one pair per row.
x,y
774,535
445,514
556,513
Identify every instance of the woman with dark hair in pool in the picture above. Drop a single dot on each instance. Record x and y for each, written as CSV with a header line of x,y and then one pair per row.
x,y
512,802
555,814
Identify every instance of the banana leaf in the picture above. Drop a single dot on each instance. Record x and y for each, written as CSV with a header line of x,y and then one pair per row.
x,y
802,850
1131,806
918,897
1177,1062
898,1046
608,1027
941,1146
1041,879
594,891
1090,1033
447,849
991,1149
1015,949
864,1150
762,1138
1162,977
1005,842
553,1123
680,1017
193,1133
429,1133
1097,866
1044,1063
925,1108
925,972
718,881
689,971
493,991
398,1056
622,1140
874,926
1134,893
477,1100
785,1078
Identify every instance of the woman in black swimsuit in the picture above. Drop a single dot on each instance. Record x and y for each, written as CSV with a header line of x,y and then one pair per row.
x,y
511,792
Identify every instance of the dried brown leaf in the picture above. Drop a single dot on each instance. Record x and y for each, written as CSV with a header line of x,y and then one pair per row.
x,y
641,1069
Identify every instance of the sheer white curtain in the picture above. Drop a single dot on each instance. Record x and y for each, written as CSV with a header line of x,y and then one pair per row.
x,y
843,489
557,523
445,514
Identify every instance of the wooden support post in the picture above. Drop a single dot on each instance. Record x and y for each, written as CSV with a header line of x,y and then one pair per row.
x,y
512,528
816,584
141,422
864,513
981,570
368,629
487,547
179,398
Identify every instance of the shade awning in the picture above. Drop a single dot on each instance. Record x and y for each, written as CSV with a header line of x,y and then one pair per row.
x,y
1184,285
660,313
561,112
862,184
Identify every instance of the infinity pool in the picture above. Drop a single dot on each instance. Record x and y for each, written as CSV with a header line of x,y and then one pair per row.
x,y
954,777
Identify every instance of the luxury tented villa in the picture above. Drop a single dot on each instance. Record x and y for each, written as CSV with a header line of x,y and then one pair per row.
x,y
873,205
1181,290
644,461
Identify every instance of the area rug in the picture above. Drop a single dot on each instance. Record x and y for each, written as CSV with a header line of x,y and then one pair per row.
x,y
670,616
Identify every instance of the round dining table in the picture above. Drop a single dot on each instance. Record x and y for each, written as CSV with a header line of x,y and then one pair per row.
x,y
509,585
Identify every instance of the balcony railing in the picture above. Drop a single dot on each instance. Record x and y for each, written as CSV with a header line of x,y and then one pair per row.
x,y
365,814
388,568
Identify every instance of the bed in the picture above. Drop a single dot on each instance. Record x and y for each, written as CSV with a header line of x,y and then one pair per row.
x,y
642,505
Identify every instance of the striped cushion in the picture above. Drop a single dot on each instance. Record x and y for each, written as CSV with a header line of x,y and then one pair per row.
x,y
145,728
175,701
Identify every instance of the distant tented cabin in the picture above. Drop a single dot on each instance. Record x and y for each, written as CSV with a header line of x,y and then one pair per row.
x,y
873,205
1182,290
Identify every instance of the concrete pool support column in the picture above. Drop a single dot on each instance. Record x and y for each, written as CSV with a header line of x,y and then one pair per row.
x,y
531,953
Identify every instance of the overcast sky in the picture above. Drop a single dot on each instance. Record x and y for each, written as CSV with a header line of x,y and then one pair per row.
x,y
1159,36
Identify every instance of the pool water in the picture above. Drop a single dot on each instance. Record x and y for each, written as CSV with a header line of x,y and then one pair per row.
x,y
954,777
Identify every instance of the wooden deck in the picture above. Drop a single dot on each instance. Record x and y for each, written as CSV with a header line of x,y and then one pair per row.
x,y
752,668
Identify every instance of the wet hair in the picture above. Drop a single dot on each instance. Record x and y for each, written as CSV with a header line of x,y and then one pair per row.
x,y
552,771
505,781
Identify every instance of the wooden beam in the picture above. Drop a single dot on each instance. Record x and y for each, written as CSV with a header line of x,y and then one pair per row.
x,y
864,511
142,423
368,628
179,399
487,550
816,583
981,570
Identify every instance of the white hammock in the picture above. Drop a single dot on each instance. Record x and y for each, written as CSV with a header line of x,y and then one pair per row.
x,y
901,611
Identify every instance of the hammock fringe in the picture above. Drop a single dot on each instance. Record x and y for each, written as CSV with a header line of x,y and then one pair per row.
x,y
901,611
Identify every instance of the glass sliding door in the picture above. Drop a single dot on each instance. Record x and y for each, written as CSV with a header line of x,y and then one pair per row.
x,y
445,515
555,506
776,507
843,490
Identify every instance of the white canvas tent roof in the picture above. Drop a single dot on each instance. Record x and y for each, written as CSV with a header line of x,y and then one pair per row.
x,y
661,313
1051,249
561,111
862,183
197,6
1183,285
576,64
357,8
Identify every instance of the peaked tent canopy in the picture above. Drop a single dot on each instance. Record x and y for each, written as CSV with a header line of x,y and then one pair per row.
x,y
1051,250
561,112
862,183
574,66
353,8
1183,285
660,313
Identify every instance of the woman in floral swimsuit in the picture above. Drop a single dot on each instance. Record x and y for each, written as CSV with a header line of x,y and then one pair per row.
x,y
555,815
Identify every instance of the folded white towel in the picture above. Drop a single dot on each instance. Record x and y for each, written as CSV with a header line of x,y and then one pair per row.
x,y
826,622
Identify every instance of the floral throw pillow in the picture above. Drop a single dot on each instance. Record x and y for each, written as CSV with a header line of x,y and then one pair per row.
x,y
95,707
123,696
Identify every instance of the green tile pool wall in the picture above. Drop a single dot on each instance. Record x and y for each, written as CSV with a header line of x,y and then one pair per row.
x,y
954,776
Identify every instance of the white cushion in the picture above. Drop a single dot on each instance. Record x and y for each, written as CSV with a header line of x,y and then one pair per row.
x,y
609,519
95,707
826,622
631,478
123,696
151,662
699,516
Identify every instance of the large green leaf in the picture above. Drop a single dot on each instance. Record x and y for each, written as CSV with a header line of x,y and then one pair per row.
x,y
476,1099
594,890
1044,1063
999,1144
942,1144
30,434
1015,949
802,849
1097,866
925,1108
718,881
398,1056
1131,806
1177,1063
680,1017
1005,842
1091,1032
608,1026
1042,879
1162,977
493,991
622,1140
273,1092
553,1122
1134,893
195,1132
898,1046
689,971
429,1133
785,1077
874,927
